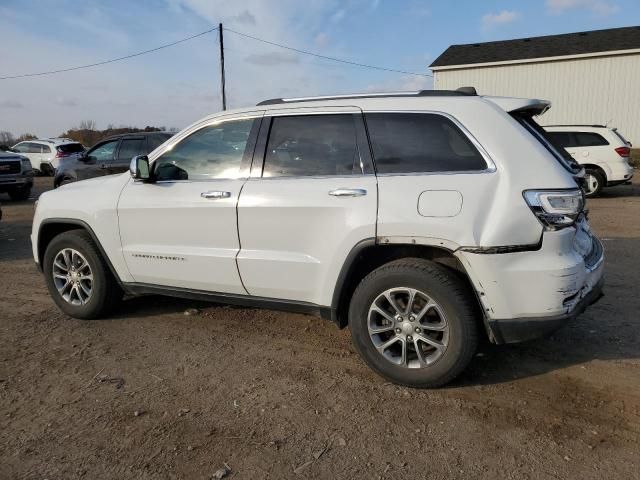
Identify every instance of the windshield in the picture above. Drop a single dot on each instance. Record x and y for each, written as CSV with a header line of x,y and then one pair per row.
x,y
70,148
540,134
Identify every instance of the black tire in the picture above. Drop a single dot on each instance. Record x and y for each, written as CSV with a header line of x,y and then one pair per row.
x,y
65,181
448,291
105,291
599,180
20,194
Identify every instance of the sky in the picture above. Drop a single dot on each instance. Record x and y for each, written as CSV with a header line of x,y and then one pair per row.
x,y
176,86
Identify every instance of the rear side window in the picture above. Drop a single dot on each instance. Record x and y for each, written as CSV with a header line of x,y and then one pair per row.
x,y
420,142
129,148
312,145
70,148
590,139
563,139
46,149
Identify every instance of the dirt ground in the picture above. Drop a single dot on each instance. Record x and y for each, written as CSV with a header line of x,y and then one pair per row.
x,y
154,393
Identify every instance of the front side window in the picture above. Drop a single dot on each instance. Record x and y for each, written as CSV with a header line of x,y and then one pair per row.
x,y
215,151
129,148
103,153
22,148
563,139
420,142
312,145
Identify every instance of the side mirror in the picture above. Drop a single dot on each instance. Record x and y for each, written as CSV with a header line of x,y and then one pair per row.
x,y
139,168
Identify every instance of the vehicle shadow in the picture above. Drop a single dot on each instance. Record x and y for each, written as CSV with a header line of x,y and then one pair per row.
x,y
631,190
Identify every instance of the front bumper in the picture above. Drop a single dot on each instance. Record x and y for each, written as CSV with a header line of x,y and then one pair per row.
x,y
15,182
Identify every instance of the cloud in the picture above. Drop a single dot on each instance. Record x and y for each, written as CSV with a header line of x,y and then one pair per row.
x,y
494,19
338,15
271,58
322,40
600,8
245,18
10,104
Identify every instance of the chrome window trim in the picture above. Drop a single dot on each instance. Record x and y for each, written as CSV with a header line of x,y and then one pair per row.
x,y
491,166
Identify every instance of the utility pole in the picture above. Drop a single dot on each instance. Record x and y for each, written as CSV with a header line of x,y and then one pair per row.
x,y
224,95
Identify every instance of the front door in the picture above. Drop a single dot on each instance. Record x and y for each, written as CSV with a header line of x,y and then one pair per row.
x,y
181,231
314,199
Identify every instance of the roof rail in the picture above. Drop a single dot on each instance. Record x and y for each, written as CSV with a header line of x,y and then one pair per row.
x,y
463,91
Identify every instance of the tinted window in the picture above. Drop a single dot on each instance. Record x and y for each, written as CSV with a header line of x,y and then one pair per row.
x,y
104,153
420,142
70,148
312,145
129,148
154,141
590,139
22,148
45,148
562,139
211,152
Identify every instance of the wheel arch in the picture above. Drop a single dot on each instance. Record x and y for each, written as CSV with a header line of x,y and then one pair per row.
x,y
595,166
368,255
52,227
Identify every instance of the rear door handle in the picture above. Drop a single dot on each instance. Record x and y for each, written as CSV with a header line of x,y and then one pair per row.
x,y
348,192
215,194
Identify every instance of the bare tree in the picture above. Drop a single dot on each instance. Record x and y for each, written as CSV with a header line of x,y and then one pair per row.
x,y
87,125
6,138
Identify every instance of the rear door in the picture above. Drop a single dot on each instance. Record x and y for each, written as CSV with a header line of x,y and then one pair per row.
x,y
311,198
129,147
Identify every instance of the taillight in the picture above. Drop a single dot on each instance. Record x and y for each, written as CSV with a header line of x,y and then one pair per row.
x,y
555,208
61,154
623,151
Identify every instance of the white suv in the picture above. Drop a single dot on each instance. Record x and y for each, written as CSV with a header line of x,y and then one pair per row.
x,y
602,151
422,221
45,154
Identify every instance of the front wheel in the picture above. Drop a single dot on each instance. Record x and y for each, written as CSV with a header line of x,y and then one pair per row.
x,y
414,322
77,276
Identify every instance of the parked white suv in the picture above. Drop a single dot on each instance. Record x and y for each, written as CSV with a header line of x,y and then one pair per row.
x,y
420,220
46,154
602,151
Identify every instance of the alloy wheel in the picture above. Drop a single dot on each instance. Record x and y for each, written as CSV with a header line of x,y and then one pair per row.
x,y
72,276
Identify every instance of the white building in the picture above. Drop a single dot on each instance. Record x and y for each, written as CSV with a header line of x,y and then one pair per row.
x,y
590,77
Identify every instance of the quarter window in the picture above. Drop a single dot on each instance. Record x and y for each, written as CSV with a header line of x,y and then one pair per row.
x,y
216,151
312,145
420,142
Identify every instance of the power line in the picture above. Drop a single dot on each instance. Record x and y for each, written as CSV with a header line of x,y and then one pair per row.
x,y
326,57
79,67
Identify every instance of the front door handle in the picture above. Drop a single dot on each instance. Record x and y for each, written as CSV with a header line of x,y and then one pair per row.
x,y
348,192
215,194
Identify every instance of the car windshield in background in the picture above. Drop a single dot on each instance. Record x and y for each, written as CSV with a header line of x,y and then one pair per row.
x,y
540,134
70,148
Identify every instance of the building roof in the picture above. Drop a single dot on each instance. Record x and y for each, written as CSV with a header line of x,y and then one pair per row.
x,y
578,43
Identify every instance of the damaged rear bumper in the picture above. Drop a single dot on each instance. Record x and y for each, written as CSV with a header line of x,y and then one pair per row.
x,y
523,329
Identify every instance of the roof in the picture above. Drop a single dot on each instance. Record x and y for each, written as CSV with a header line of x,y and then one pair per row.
x,y
137,134
579,43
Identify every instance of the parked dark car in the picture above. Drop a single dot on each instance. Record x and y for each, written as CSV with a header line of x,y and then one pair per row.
x,y
109,156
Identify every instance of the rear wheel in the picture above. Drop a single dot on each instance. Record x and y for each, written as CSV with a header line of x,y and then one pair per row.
x,y
78,278
413,322
594,182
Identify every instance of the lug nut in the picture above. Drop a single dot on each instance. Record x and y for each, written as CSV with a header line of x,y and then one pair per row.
x,y
417,330
409,338
412,318
398,330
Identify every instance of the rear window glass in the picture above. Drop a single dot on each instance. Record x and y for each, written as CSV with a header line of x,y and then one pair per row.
x,y
547,141
70,148
420,142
